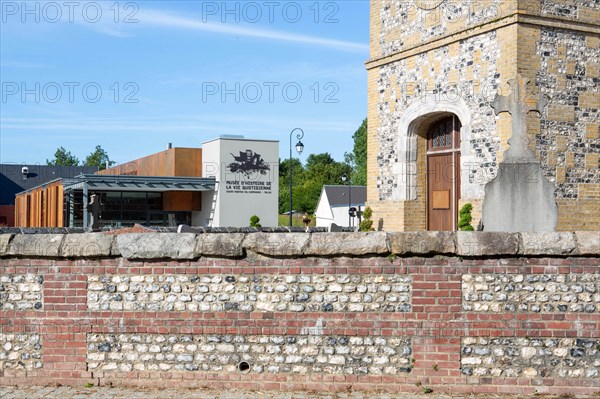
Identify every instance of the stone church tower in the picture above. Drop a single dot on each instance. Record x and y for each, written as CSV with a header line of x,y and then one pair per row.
x,y
435,140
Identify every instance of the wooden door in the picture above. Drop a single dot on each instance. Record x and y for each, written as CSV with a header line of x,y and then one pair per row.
x,y
443,174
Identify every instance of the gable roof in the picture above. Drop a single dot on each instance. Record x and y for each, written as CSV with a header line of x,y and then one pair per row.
x,y
12,181
338,195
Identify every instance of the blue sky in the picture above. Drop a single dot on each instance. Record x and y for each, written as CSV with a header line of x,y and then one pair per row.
x,y
133,76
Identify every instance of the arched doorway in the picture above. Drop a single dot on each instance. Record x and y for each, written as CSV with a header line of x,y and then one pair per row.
x,y
443,173
412,190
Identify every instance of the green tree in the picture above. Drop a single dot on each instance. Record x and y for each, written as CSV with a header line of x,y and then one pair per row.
x,y
358,157
321,169
98,158
284,170
62,157
284,183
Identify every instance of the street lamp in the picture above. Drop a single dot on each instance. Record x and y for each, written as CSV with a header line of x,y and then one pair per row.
x,y
344,178
299,148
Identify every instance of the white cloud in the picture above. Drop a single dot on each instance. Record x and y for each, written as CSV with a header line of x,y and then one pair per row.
x,y
172,124
105,29
170,20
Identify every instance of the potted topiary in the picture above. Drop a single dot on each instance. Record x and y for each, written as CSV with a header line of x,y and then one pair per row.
x,y
367,223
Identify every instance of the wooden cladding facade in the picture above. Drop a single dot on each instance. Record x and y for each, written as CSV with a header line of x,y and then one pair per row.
x,y
41,207
182,201
44,206
183,162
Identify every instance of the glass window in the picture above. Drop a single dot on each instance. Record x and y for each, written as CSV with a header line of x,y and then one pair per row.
x,y
123,208
440,134
155,201
126,208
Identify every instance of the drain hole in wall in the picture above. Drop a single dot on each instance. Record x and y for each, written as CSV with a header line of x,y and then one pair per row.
x,y
244,367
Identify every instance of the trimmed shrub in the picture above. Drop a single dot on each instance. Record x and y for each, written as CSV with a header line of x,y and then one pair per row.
x,y
464,220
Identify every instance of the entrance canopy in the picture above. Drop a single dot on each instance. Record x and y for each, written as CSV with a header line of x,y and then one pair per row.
x,y
138,183
126,200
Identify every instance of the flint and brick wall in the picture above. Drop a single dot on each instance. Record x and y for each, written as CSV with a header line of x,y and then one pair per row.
x,y
444,53
293,293
457,312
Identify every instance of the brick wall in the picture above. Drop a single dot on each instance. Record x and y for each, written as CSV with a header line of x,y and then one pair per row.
x,y
456,312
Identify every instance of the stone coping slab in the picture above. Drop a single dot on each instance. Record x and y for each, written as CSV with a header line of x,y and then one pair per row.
x,y
160,229
187,246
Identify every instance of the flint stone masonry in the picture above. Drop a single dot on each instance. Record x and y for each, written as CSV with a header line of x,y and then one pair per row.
x,y
577,10
92,319
237,245
20,351
531,357
406,18
579,82
264,354
21,292
264,293
536,293
452,57
404,83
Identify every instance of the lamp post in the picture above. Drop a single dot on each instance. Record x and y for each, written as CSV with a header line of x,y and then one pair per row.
x,y
299,148
344,178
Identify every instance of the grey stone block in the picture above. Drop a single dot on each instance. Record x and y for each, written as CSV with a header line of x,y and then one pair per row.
x,y
422,242
290,244
4,240
325,244
588,242
519,199
481,243
45,245
334,228
228,245
87,245
548,243
155,246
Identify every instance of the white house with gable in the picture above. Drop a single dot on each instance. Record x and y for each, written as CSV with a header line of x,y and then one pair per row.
x,y
334,203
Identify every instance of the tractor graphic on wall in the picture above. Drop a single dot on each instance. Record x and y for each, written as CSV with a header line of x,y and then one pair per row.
x,y
248,162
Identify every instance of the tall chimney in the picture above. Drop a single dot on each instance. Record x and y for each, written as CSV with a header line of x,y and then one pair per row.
x,y
169,146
